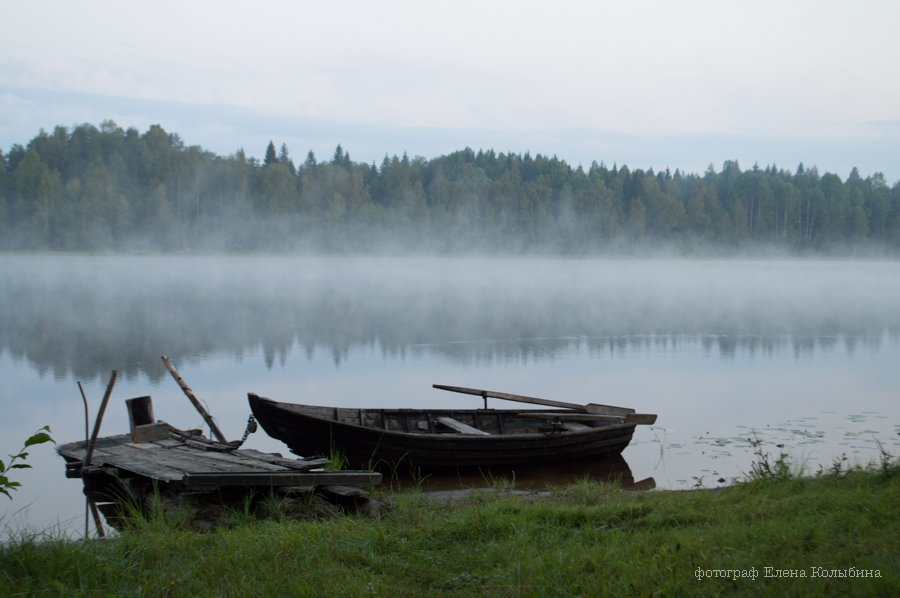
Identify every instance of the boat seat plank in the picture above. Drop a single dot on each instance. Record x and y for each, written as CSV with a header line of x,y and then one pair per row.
x,y
461,427
575,426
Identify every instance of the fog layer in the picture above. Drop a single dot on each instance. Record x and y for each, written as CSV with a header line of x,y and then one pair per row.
x,y
82,316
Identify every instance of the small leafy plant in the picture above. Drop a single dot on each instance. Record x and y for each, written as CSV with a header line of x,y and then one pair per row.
x,y
6,485
763,468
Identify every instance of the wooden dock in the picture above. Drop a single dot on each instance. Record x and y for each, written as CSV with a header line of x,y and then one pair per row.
x,y
165,461
202,465
157,461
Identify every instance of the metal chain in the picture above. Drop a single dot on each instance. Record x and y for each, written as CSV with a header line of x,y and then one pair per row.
x,y
251,428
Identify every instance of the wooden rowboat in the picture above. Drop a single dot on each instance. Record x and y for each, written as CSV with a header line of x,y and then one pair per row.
x,y
442,438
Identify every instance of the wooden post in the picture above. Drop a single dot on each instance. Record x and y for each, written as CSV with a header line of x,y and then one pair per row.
x,y
87,433
190,395
97,523
84,398
93,440
140,412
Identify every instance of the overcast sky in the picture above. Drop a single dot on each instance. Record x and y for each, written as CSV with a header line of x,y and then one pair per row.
x,y
648,84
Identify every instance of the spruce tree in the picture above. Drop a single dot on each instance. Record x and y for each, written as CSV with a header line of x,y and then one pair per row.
x,y
271,156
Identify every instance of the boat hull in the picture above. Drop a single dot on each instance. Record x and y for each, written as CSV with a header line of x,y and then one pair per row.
x,y
413,437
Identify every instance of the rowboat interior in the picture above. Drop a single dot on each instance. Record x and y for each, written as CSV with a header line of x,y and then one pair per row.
x,y
474,422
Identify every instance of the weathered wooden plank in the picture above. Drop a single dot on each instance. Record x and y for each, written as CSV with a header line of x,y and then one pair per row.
x,y
151,432
168,460
107,451
316,478
461,427
144,454
173,464
79,452
189,461
168,442
108,441
146,467
647,419
350,497
575,426
299,464
184,460
234,461
344,491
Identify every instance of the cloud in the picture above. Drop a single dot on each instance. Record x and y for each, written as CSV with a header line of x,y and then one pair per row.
x,y
224,129
691,83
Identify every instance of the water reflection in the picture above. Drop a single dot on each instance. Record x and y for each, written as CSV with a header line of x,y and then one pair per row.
x,y
530,478
720,350
74,316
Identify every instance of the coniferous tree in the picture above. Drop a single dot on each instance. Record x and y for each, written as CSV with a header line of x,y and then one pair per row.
x,y
108,188
284,159
271,156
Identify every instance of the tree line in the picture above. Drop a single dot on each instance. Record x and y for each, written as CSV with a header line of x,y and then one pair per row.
x,y
111,189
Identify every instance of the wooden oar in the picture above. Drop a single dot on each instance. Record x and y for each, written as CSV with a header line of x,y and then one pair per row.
x,y
570,416
589,408
628,418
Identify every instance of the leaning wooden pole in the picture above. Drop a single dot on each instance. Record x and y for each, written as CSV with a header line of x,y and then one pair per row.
x,y
87,433
93,441
97,523
190,395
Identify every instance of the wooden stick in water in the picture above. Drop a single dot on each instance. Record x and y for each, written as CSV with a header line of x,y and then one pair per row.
x,y
190,395
93,440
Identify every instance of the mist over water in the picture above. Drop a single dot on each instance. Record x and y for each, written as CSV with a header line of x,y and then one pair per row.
x,y
75,316
802,352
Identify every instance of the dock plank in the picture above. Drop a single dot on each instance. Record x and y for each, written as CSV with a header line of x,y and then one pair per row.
x,y
234,460
172,457
200,466
142,466
284,478
299,464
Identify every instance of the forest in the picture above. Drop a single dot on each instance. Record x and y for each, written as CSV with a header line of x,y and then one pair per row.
x,y
89,189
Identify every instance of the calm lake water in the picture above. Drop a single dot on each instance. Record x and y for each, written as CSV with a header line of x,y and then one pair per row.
x,y
802,354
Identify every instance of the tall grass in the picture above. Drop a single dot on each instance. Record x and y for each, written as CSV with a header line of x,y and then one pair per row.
x,y
588,539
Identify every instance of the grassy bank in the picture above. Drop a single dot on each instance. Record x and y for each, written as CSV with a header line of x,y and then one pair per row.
x,y
836,534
